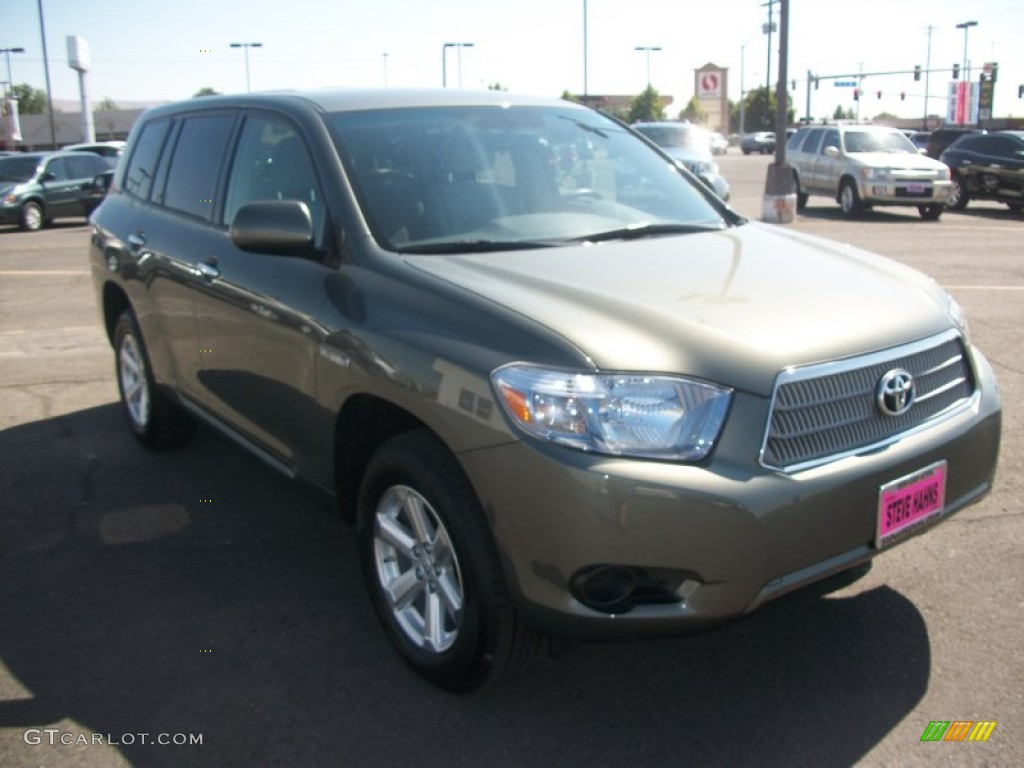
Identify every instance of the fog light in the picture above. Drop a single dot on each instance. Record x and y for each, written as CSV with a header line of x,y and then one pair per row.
x,y
604,588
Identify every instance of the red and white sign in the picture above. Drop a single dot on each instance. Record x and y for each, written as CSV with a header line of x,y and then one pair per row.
x,y
709,85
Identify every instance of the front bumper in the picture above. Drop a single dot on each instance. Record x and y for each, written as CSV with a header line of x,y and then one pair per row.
x,y
735,534
905,192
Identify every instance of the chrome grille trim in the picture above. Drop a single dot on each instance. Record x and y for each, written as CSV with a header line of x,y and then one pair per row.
x,y
824,412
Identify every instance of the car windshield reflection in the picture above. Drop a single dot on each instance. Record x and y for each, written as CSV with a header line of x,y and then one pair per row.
x,y
481,177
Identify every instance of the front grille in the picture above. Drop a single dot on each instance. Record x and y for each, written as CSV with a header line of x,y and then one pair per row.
x,y
823,412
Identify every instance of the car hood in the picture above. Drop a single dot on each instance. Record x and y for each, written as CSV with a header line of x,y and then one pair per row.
x,y
734,307
903,160
6,187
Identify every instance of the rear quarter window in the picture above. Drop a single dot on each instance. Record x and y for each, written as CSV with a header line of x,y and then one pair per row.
x,y
138,177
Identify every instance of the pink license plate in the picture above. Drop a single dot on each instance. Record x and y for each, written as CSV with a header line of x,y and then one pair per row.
x,y
910,502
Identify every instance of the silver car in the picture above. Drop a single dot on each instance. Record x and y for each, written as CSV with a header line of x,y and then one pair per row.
x,y
691,146
861,166
560,388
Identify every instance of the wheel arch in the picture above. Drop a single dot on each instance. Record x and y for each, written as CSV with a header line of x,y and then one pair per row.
x,y
115,302
364,423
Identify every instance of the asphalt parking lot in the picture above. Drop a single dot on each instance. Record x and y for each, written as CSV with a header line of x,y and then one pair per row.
x,y
155,598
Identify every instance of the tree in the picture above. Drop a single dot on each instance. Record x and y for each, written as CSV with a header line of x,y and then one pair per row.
x,y
566,96
205,91
760,111
693,112
31,101
646,107
107,105
844,114
496,86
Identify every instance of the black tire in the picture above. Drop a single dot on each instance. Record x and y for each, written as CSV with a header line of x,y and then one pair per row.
x,y
958,197
849,200
801,196
413,485
930,212
32,219
153,418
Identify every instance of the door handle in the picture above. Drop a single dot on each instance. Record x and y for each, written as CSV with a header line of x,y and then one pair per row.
x,y
207,271
136,240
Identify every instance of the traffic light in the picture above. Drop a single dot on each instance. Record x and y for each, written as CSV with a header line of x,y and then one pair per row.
x,y
903,95
1020,91
956,71
879,94
995,72
792,85
856,94
917,71
815,83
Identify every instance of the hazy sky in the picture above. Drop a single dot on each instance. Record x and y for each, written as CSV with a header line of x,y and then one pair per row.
x,y
165,50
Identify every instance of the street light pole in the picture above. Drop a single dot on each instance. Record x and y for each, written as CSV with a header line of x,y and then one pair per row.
x,y
7,52
444,61
584,51
965,26
246,47
647,49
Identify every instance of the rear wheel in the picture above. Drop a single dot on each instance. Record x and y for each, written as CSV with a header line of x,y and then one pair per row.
x,y
432,568
801,196
32,216
930,212
153,418
849,200
958,198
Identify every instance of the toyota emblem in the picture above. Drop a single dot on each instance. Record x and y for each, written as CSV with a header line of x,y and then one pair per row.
x,y
895,392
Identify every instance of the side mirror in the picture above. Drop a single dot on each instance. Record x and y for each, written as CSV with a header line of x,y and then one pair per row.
x,y
101,182
831,151
48,176
273,226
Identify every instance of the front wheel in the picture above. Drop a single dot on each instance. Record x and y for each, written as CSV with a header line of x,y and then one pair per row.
x,y
849,200
432,568
32,216
930,212
958,198
153,418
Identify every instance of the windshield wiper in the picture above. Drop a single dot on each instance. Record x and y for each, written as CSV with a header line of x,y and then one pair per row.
x,y
479,246
646,230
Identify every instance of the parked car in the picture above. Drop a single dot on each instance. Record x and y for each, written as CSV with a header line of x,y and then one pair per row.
x,y
111,151
719,144
691,146
762,142
861,166
987,167
920,140
941,138
38,187
589,404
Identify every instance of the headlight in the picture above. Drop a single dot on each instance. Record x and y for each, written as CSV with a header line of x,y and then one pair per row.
x,y
942,174
876,174
11,199
622,414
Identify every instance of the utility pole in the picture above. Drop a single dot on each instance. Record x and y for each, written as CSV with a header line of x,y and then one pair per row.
x,y
927,79
780,191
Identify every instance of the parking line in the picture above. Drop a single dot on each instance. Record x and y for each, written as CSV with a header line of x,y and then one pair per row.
x,y
985,287
42,272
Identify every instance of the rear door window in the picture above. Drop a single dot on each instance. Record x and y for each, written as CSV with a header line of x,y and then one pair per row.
x,y
195,166
84,166
138,177
813,142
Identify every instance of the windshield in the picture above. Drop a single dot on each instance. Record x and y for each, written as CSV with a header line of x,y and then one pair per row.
x,y
491,176
676,136
878,141
19,169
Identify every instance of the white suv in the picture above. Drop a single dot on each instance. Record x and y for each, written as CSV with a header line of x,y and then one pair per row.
x,y
860,166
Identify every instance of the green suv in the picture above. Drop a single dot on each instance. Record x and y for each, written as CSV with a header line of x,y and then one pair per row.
x,y
36,188
559,387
